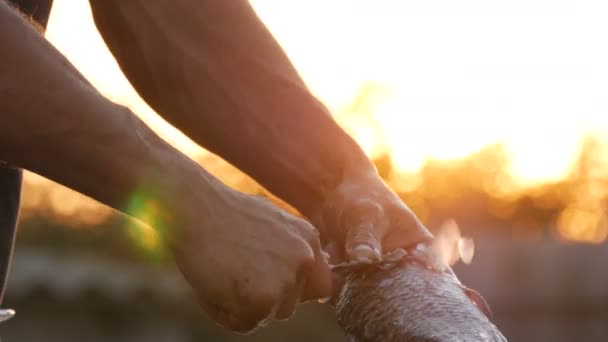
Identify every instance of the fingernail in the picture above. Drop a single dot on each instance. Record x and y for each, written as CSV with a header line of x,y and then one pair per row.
x,y
324,300
365,253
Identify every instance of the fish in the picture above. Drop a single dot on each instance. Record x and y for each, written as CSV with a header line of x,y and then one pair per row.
x,y
410,296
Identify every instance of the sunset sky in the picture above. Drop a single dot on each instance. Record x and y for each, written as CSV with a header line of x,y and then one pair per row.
x,y
531,74
452,77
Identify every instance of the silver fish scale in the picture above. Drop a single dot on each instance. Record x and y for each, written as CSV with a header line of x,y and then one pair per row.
x,y
409,302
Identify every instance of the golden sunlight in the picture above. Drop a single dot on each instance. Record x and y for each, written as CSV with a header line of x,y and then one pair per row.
x,y
449,79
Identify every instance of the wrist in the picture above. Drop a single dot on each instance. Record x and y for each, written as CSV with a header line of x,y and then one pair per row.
x,y
178,192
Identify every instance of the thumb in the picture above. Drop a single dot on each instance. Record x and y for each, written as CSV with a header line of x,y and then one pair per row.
x,y
363,223
362,243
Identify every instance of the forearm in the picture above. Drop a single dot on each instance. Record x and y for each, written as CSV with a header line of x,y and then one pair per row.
x,y
213,70
54,123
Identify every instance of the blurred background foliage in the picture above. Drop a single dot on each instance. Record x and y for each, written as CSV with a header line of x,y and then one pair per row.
x,y
79,264
505,136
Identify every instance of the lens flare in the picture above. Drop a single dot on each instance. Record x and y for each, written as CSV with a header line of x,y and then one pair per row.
x,y
148,231
451,246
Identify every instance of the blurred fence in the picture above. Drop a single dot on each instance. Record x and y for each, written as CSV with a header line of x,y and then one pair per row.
x,y
539,291
543,290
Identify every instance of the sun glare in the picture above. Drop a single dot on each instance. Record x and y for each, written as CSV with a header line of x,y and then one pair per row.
x,y
455,77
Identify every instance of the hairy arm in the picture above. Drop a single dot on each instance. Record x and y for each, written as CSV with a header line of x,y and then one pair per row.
x,y
54,123
213,70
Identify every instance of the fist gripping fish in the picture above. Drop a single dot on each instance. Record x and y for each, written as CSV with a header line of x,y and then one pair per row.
x,y
410,296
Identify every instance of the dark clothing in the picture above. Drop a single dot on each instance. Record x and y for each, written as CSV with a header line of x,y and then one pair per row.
x,y
10,177
10,191
38,10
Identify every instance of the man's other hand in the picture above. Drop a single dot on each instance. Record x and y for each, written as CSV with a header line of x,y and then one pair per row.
x,y
249,261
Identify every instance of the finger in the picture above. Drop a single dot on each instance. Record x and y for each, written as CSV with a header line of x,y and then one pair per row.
x,y
364,224
362,243
291,298
217,314
336,252
317,281
254,314
238,323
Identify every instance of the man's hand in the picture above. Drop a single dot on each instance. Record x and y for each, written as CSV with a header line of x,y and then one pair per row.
x,y
250,261
247,260
363,218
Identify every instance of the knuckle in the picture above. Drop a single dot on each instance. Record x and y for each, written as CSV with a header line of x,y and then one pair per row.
x,y
307,244
361,235
302,265
298,256
307,232
307,252
369,206
363,210
306,262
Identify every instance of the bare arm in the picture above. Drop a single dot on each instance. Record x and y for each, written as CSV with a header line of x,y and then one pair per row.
x,y
54,123
213,70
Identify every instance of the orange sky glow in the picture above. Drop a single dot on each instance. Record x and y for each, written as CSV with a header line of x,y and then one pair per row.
x,y
455,76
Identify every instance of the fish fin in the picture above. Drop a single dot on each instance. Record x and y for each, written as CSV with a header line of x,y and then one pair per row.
x,y
479,301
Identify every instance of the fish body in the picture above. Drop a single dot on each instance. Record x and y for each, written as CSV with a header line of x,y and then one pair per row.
x,y
403,299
